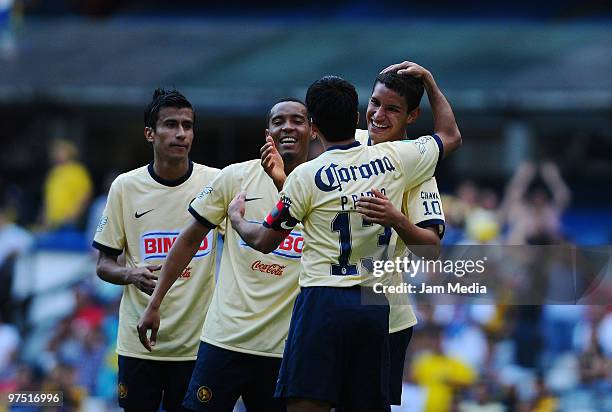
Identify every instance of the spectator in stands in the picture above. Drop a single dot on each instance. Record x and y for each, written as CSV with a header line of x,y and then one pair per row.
x,y
481,400
13,241
9,346
440,374
533,216
67,188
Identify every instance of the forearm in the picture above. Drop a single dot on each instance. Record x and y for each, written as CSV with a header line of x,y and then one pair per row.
x,y
181,253
255,235
112,272
445,125
424,242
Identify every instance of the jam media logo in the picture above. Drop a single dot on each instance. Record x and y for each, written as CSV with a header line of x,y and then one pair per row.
x,y
290,248
156,245
271,268
330,178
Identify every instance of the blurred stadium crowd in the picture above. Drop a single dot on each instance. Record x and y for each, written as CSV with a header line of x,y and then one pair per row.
x,y
58,321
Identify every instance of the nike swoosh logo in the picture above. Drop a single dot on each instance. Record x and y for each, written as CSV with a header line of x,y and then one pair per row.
x,y
285,226
252,198
137,215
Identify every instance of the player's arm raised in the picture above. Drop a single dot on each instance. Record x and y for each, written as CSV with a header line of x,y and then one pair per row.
x,y
109,270
424,242
445,125
256,235
179,256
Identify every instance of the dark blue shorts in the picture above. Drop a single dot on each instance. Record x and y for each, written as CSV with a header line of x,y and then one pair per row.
x,y
398,344
221,376
142,382
337,350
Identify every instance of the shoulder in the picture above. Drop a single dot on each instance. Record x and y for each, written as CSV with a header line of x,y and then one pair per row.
x,y
204,171
235,170
362,136
131,178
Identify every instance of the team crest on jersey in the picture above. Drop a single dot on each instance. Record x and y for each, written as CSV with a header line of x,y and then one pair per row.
x,y
122,390
290,248
421,143
103,221
156,245
204,394
331,177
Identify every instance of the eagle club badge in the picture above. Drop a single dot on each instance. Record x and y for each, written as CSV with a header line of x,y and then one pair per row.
x,y
204,394
123,391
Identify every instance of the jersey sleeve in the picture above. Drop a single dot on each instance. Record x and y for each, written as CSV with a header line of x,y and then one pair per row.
x,y
419,158
110,233
423,206
210,205
292,206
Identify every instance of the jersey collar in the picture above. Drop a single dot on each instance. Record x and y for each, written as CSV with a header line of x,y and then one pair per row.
x,y
171,183
344,146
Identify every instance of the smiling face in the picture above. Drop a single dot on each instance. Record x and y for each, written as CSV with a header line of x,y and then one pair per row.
x,y
290,129
173,133
387,115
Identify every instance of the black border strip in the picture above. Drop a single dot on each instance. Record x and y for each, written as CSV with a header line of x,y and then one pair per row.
x,y
433,222
201,219
106,249
170,183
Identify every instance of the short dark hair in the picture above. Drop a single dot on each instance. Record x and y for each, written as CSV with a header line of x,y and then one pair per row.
x,y
333,105
409,87
164,98
288,99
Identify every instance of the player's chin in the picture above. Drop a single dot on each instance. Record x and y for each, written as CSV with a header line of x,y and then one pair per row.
x,y
378,136
178,154
290,149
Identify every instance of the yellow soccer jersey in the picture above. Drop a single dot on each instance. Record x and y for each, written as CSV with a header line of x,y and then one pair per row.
x,y
252,304
339,247
423,207
144,215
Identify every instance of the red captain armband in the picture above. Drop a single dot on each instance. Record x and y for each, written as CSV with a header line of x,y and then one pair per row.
x,y
279,218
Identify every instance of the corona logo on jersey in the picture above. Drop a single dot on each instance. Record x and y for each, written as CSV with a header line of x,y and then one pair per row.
x,y
156,245
330,178
290,248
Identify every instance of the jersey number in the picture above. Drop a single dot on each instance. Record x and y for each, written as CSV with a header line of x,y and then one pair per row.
x,y
435,208
342,224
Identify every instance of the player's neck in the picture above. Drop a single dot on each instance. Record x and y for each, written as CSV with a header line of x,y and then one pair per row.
x,y
327,143
291,162
171,169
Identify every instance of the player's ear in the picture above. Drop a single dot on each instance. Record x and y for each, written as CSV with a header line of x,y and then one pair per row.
x,y
148,134
357,119
413,115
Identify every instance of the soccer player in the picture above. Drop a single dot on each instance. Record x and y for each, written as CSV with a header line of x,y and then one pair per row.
x,y
393,106
247,323
145,210
337,349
